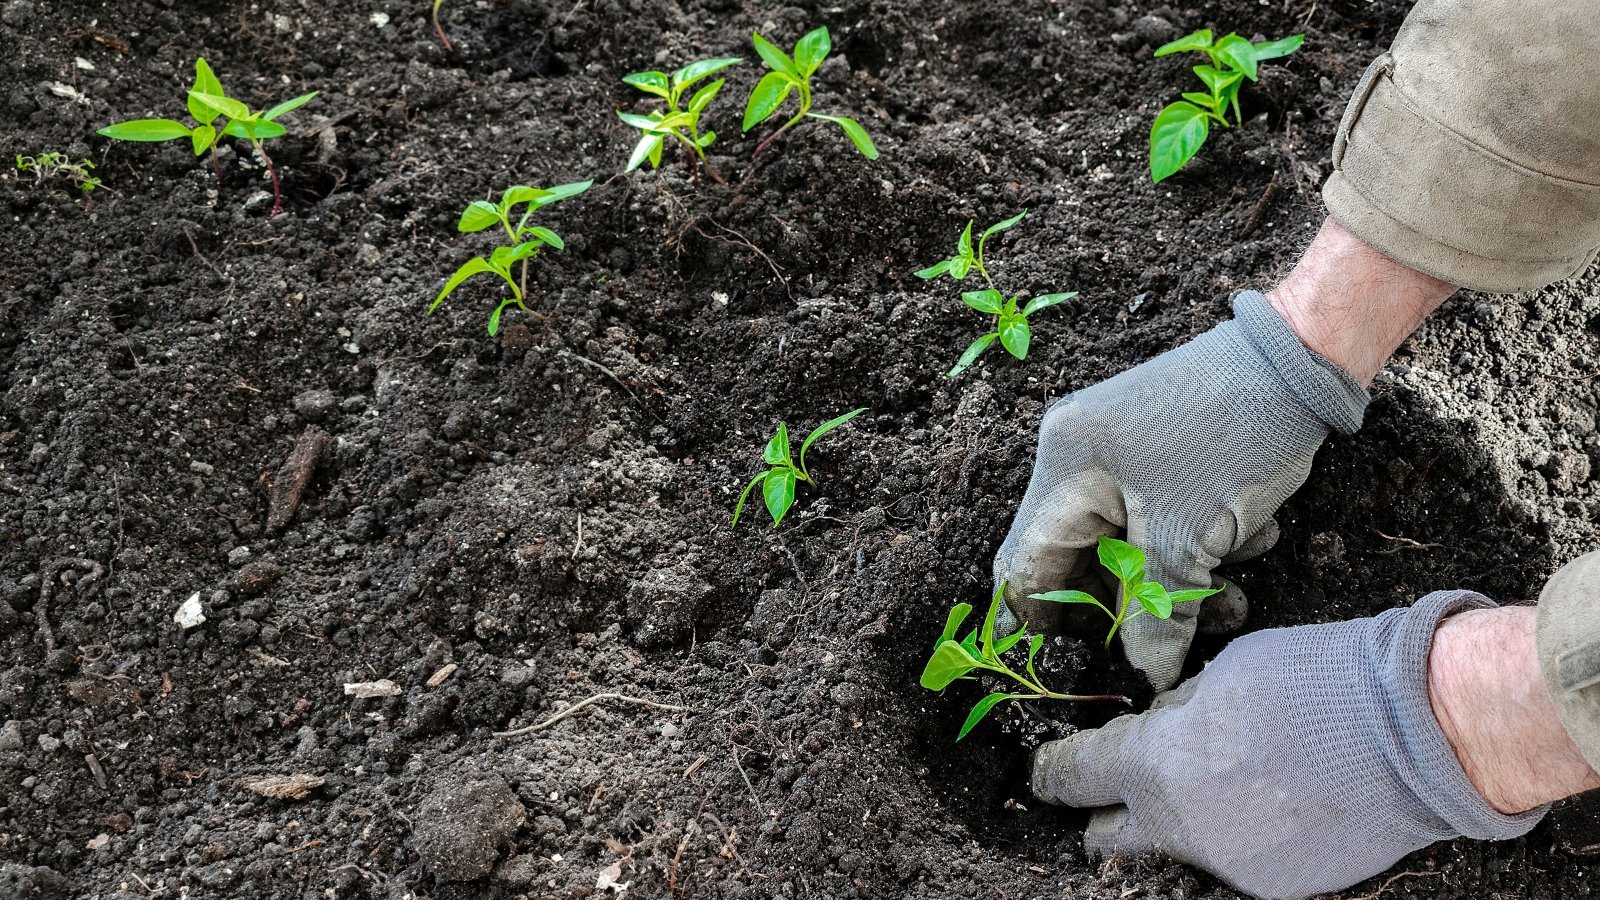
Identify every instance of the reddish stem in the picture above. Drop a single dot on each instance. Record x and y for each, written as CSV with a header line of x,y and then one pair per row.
x,y
277,195
440,29
768,142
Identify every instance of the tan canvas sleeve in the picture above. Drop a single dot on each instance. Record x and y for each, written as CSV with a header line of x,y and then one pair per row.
x,y
1471,150
1568,636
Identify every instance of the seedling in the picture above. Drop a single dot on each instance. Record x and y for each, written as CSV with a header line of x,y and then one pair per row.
x,y
1011,319
793,74
981,651
524,241
51,166
1127,563
439,29
207,103
1182,127
778,482
675,122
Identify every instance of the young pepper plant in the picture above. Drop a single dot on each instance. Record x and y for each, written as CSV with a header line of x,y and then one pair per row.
x,y
207,103
1127,563
524,241
1182,127
681,123
438,28
982,651
793,75
778,483
1011,316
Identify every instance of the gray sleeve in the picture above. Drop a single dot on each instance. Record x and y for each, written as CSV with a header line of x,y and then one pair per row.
x,y
1568,636
1471,150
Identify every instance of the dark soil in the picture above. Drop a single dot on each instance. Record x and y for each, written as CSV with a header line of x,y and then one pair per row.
x,y
547,513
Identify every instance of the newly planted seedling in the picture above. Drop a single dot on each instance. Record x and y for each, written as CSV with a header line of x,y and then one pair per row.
x,y
523,241
778,483
679,122
1011,316
792,74
1182,127
207,103
48,167
439,29
1127,563
982,651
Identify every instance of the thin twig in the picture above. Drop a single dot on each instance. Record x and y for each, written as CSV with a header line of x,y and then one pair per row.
x,y
41,607
1391,880
581,704
740,766
201,256
589,362
1405,543
745,242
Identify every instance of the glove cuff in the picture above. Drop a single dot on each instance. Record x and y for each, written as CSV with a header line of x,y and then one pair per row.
x,y
1400,644
1327,390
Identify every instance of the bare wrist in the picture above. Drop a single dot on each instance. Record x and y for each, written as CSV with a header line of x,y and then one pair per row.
x,y
1491,704
1352,304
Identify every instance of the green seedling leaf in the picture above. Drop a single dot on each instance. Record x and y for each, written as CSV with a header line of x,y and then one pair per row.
x,y
1123,559
1072,597
707,138
520,193
964,243
202,137
480,214
546,235
146,130
823,429
288,106
776,60
698,102
650,82
254,129
1177,135
697,70
1191,596
778,491
744,496
811,50
973,351
649,124
769,94
1006,643
471,267
984,301
998,227
649,146
983,707
1045,301
1015,335
561,192
523,251
1279,48
226,106
777,452
205,82
1199,40
1217,79
1033,653
934,271
986,635
1238,53
949,661
854,131
494,317
970,644
952,622
1154,598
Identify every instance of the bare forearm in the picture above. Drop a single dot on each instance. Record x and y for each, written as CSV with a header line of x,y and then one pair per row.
x,y
1352,304
1486,691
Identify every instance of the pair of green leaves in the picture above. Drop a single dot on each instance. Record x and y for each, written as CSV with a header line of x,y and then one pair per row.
x,y
1011,316
525,240
678,122
1181,128
1127,564
778,483
792,75
207,102
980,650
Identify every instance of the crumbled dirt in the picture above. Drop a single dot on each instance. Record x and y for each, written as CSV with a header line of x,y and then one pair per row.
x,y
547,512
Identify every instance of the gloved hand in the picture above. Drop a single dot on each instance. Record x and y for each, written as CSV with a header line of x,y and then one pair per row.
x,y
1302,760
1190,454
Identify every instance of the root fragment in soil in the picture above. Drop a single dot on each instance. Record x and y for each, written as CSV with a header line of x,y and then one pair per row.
x,y
581,704
290,485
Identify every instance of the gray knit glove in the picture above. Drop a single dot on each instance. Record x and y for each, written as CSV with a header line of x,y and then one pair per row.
x,y
1301,761
1189,454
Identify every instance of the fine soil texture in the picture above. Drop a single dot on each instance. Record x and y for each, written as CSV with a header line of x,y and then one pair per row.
x,y
205,411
